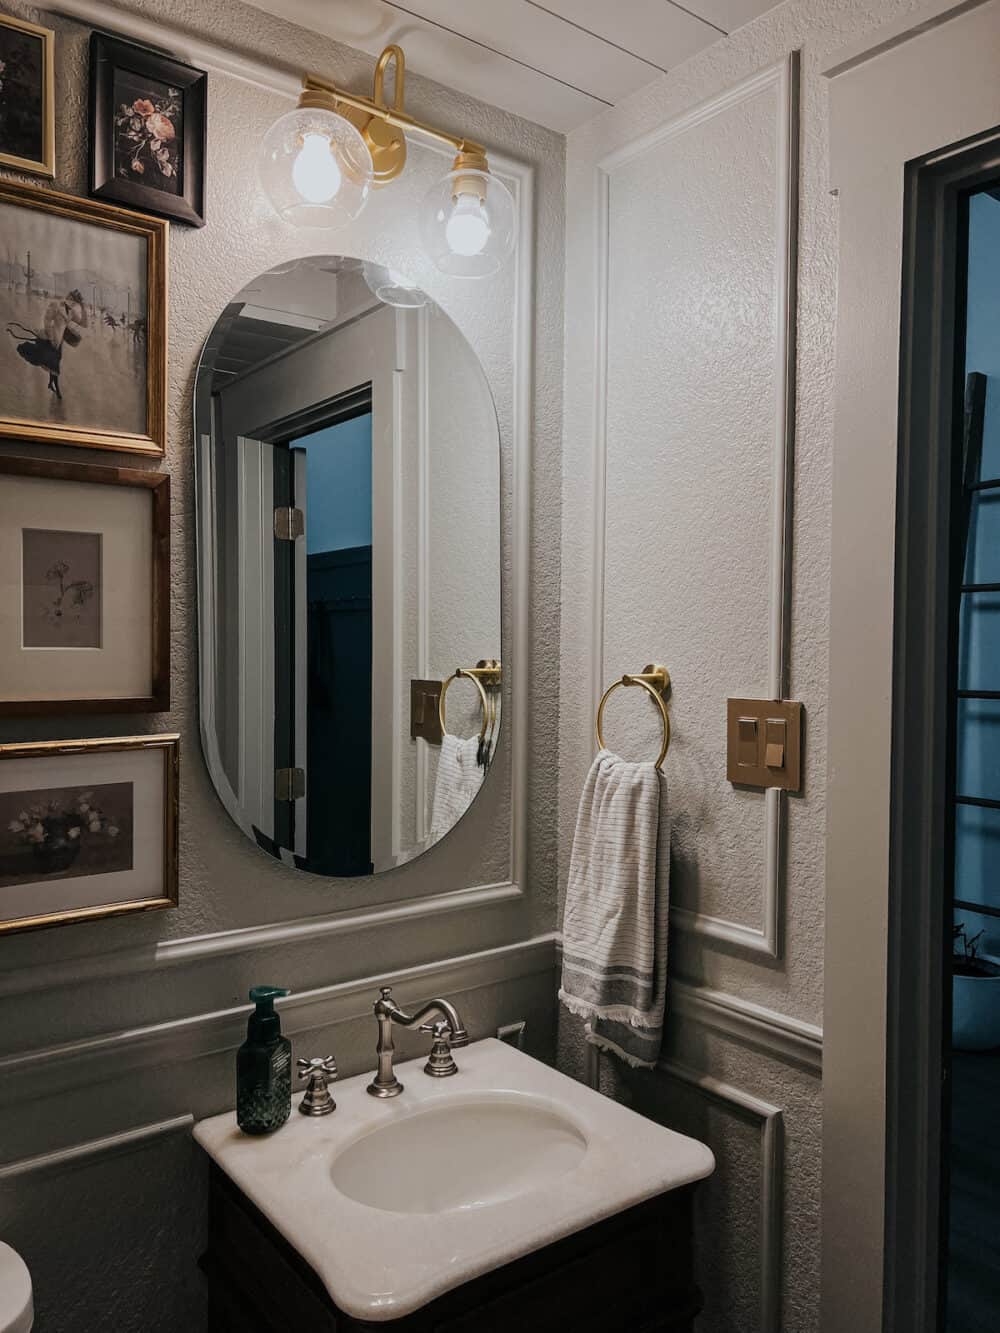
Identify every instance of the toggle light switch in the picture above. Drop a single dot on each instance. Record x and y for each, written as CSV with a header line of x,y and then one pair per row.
x,y
425,720
774,754
764,743
746,747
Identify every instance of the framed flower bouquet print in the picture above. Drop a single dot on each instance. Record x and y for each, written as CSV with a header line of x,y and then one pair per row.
x,y
83,322
147,130
87,829
27,99
84,588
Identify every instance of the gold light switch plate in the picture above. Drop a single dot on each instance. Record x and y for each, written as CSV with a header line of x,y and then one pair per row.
x,y
425,717
764,743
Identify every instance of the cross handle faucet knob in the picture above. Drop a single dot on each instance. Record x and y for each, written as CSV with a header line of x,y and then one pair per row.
x,y
441,1062
319,1071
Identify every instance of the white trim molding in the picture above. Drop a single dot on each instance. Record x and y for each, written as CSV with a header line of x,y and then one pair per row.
x,y
784,80
771,1122
752,1024
248,939
83,1154
776,1034
54,1070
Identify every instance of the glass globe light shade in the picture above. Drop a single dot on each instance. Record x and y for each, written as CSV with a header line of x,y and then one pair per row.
x,y
468,223
392,287
315,168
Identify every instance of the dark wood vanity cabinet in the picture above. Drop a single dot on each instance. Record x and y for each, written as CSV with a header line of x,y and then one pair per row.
x,y
631,1273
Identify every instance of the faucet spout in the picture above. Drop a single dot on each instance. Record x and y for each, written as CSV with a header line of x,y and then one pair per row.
x,y
459,1036
387,1011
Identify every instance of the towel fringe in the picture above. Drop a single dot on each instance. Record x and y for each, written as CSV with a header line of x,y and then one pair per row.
x,y
614,1049
614,1013
578,1007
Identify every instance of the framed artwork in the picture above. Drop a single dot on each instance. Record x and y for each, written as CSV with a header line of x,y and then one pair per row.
x,y
84,588
27,98
83,322
147,130
87,829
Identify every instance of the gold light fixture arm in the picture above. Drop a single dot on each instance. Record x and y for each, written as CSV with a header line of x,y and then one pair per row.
x,y
391,53
376,120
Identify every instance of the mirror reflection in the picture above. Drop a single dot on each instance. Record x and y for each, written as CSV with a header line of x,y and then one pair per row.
x,y
349,568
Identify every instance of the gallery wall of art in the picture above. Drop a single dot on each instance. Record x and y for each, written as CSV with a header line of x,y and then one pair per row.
x,y
89,827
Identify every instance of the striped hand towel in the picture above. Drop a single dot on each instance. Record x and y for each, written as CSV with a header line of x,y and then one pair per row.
x,y
614,971
459,778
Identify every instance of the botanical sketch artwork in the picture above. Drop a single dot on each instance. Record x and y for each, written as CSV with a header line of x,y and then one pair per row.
x,y
61,589
73,322
149,137
65,832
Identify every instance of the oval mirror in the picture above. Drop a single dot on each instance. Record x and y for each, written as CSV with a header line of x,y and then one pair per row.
x,y
349,566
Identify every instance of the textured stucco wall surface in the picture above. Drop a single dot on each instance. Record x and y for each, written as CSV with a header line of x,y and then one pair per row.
x,y
687,584
225,883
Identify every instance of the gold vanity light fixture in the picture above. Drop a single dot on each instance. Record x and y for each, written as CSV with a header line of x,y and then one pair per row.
x,y
320,163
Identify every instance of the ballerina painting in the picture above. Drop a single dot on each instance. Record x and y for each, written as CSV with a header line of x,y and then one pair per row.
x,y
74,322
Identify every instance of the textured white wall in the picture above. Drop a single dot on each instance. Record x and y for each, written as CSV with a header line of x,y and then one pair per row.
x,y
689,338
225,883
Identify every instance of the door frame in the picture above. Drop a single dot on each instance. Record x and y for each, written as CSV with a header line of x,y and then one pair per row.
x,y
925,665
895,96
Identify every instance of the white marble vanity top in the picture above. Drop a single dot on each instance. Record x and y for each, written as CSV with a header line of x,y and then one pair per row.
x,y
475,1171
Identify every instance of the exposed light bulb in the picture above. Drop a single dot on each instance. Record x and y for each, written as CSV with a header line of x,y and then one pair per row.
x,y
468,223
315,172
468,229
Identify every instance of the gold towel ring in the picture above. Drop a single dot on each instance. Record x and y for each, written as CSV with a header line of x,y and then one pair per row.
x,y
655,680
466,675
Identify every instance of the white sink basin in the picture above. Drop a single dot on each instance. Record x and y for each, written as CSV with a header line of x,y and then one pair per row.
x,y
392,1203
434,1160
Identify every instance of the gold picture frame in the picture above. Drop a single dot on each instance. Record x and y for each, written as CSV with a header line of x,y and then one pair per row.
x,y
114,338
45,165
84,841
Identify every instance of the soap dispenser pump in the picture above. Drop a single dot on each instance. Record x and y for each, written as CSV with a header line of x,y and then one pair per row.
x,y
264,1067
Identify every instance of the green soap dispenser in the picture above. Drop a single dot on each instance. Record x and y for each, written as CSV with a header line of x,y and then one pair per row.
x,y
264,1068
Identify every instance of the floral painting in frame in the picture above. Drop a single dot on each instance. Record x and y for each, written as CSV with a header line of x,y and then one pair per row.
x,y
88,829
27,97
147,130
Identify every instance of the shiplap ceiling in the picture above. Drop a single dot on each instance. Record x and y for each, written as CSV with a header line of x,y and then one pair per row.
x,y
558,62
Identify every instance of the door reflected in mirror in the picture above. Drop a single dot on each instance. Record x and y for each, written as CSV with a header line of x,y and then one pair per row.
x,y
349,569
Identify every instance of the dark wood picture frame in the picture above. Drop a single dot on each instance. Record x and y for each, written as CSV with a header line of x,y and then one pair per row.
x,y
109,55
152,441
158,486
169,744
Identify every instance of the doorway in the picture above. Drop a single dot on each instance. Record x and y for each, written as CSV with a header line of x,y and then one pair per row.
x,y
327,725
973,1038
943,1049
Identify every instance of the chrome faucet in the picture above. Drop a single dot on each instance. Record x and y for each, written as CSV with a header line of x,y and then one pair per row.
x,y
387,1011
